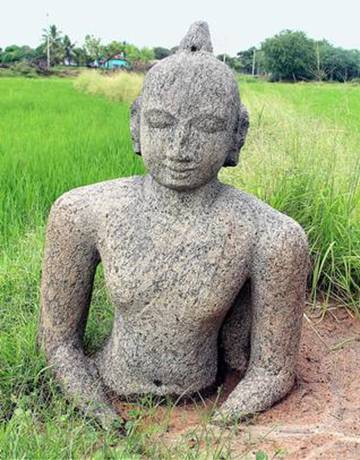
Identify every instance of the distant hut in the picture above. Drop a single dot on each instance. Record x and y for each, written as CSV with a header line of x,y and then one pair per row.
x,y
116,62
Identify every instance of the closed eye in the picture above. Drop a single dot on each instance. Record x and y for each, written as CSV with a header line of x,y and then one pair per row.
x,y
159,119
209,123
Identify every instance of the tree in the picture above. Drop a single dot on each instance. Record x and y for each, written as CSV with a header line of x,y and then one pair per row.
x,y
53,43
294,56
345,64
289,56
232,62
161,53
246,59
94,48
251,61
135,54
39,55
147,54
335,63
114,47
16,53
68,50
260,63
80,56
320,69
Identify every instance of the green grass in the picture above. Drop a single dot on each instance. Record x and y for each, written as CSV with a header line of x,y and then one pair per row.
x,y
53,138
302,156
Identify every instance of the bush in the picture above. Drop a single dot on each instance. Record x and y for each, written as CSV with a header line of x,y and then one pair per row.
x,y
117,86
355,81
23,69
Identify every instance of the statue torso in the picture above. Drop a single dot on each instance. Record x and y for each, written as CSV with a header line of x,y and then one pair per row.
x,y
172,277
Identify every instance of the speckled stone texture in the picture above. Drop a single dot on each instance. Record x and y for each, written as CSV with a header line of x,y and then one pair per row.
x,y
201,275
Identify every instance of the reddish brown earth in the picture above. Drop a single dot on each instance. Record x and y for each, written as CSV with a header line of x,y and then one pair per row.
x,y
319,419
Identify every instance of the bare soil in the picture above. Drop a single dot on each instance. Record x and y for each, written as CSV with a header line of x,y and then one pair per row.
x,y
319,419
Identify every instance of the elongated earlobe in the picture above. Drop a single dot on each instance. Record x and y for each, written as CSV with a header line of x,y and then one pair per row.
x,y
240,132
135,125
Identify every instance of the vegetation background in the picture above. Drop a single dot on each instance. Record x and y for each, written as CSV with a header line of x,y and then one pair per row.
x,y
301,156
288,55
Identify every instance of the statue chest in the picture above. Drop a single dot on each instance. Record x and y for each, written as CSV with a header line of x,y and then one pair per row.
x,y
185,267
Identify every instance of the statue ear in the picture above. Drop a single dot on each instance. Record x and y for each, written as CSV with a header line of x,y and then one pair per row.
x,y
135,125
240,132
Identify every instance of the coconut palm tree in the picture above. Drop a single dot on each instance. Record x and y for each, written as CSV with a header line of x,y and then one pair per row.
x,y
68,50
53,42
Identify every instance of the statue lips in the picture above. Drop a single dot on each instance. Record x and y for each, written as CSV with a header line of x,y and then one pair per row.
x,y
180,168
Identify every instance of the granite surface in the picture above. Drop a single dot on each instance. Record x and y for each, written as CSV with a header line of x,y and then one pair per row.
x,y
202,276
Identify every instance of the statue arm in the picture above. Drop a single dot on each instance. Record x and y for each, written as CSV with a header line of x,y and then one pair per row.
x,y
278,284
70,263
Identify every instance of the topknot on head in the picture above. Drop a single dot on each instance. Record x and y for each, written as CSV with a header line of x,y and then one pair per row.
x,y
197,38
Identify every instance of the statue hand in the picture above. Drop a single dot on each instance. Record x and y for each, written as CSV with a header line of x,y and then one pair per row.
x,y
256,392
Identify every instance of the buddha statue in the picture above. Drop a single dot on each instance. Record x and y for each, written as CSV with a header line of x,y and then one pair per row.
x,y
202,276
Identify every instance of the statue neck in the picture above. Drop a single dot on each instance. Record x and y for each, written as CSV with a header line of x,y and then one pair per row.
x,y
174,201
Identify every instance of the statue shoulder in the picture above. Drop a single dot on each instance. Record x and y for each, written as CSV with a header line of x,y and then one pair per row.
x,y
244,206
271,228
81,206
277,234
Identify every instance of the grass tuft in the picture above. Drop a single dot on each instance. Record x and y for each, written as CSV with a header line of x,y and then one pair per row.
x,y
118,87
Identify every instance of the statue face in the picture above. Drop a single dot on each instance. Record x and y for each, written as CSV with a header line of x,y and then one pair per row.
x,y
188,117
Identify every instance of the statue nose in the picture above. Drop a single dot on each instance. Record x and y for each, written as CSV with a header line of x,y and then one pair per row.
x,y
180,150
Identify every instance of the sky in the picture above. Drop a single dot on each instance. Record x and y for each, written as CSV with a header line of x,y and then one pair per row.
x,y
234,25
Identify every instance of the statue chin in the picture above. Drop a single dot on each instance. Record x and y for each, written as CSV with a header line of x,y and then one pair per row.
x,y
178,181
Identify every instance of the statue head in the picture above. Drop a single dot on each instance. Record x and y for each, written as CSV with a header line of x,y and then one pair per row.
x,y
188,121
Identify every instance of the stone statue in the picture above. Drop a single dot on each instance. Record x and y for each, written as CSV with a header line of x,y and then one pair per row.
x,y
201,275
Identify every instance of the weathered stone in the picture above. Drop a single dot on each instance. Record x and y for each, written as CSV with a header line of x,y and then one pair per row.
x,y
199,273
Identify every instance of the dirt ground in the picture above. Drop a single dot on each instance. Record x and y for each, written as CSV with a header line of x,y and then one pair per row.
x,y
319,419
